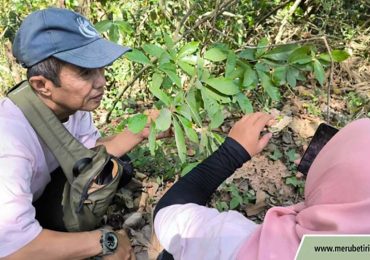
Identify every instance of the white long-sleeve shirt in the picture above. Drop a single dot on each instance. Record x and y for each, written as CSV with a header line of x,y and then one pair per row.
x,y
25,167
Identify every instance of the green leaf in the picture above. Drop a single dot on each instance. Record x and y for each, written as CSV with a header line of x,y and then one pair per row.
x,y
237,73
153,50
152,139
267,85
173,76
203,142
262,66
188,167
203,73
319,72
339,55
188,49
294,182
230,64
164,58
325,57
250,78
248,54
191,59
262,43
113,33
276,155
189,131
193,105
300,55
210,104
168,41
137,56
292,155
184,110
154,88
223,85
137,123
103,26
214,110
244,103
222,206
163,121
216,119
190,70
234,203
124,27
215,54
280,53
219,97
180,140
212,144
279,75
291,76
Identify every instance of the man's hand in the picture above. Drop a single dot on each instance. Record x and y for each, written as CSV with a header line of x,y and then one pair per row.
x,y
124,250
152,116
247,132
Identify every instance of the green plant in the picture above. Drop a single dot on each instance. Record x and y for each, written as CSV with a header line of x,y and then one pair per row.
x,y
276,155
195,88
354,102
296,183
237,197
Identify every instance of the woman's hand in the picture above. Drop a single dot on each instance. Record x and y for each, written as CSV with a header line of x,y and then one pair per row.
x,y
247,132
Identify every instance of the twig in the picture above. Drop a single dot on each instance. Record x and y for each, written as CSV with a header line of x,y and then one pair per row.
x,y
222,7
318,38
224,35
4,32
285,20
183,20
271,12
330,77
120,94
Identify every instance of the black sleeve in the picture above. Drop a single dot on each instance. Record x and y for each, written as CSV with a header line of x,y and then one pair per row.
x,y
201,182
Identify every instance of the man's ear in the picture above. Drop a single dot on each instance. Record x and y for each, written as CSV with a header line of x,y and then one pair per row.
x,y
41,85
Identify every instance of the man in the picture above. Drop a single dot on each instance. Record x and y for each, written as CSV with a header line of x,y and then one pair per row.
x,y
65,59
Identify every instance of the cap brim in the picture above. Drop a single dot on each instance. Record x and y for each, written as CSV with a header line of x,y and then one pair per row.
x,y
97,54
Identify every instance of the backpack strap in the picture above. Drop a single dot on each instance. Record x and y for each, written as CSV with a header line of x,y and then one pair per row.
x,y
72,156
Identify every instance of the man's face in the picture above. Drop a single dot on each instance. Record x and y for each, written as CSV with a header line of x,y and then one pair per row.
x,y
79,89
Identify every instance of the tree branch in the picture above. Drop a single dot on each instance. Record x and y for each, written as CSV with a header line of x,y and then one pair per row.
x,y
330,78
285,20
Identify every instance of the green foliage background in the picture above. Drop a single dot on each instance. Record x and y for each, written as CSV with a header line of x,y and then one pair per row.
x,y
201,63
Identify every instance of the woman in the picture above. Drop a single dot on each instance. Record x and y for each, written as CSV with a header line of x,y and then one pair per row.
x,y
337,199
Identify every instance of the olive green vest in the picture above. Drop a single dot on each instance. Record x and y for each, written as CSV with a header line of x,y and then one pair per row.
x,y
92,174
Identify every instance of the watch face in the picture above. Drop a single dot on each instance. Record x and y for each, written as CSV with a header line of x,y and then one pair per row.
x,y
111,241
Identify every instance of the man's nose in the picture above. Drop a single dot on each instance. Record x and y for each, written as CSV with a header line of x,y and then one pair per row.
x,y
99,81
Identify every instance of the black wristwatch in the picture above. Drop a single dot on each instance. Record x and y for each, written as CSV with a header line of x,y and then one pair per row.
x,y
108,241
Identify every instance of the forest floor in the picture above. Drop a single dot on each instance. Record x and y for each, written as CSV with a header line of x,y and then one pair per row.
x,y
269,179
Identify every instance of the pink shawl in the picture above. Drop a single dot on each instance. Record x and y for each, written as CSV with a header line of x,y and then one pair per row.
x,y
337,199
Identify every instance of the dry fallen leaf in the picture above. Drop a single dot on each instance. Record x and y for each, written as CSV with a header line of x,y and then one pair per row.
x,y
305,128
259,206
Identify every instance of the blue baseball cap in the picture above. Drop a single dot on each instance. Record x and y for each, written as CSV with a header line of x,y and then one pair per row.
x,y
65,35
